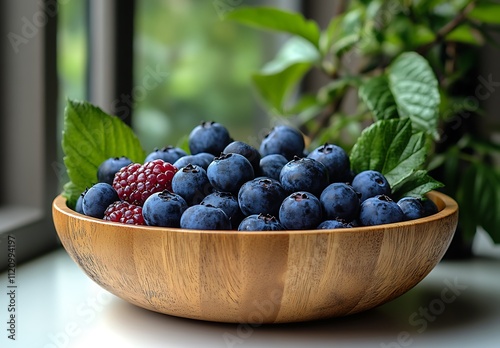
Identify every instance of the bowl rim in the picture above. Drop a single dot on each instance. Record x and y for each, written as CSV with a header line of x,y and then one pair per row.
x,y
449,207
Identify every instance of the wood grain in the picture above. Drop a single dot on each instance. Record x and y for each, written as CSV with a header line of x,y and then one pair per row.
x,y
257,277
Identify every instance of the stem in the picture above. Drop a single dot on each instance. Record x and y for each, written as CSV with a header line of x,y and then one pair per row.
x,y
324,118
448,28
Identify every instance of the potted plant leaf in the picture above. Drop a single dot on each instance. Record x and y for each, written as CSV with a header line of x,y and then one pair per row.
x,y
413,63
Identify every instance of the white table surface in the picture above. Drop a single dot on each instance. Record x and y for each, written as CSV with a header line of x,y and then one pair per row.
x,y
456,305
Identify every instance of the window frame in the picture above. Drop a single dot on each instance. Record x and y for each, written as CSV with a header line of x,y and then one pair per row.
x,y
28,128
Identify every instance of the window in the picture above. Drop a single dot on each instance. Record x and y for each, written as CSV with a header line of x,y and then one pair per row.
x,y
172,63
28,181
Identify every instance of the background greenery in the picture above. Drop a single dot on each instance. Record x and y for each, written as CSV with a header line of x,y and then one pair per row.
x,y
359,53
209,61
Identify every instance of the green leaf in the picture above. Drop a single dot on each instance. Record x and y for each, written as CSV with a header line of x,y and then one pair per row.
x,y
91,136
466,34
486,200
330,34
295,50
276,88
415,185
486,12
415,90
391,147
279,20
377,96
479,200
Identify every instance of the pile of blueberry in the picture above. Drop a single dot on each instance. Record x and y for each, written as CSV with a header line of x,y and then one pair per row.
x,y
225,184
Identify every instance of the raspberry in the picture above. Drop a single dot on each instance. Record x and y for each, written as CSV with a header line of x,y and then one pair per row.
x,y
124,212
136,182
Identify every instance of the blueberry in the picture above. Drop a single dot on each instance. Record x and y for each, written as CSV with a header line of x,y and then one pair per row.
x,y
335,159
201,159
229,171
340,201
169,154
260,222
191,183
208,137
163,209
271,165
304,174
79,202
107,169
411,207
300,210
261,196
250,153
430,208
205,217
283,140
333,224
380,210
98,198
371,183
228,203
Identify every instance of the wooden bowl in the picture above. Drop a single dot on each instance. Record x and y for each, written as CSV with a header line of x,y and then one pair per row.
x,y
257,277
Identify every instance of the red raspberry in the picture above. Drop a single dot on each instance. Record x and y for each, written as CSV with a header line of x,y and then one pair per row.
x,y
136,182
124,212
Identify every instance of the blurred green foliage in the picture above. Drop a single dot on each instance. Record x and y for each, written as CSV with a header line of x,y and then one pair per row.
x,y
209,61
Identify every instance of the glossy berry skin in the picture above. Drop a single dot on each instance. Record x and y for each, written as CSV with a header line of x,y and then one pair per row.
x,y
430,208
340,201
210,137
191,183
97,199
136,182
283,140
371,183
125,213
411,207
202,159
205,217
107,169
304,174
333,224
229,171
261,196
299,211
260,222
228,203
335,159
248,151
271,165
380,210
164,209
169,154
